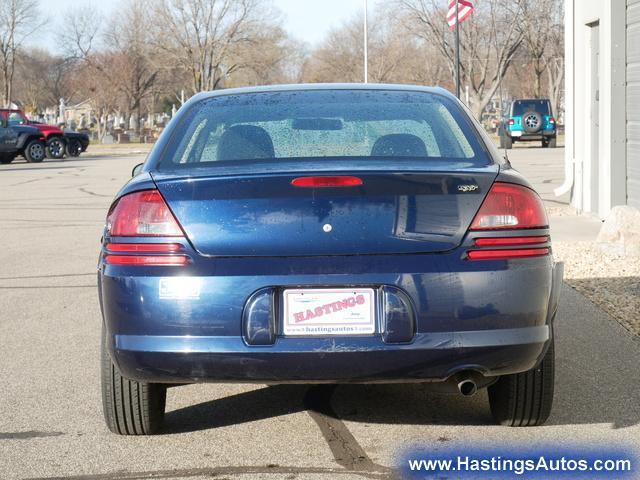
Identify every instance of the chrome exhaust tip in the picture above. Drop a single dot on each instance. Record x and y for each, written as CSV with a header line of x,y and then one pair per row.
x,y
467,387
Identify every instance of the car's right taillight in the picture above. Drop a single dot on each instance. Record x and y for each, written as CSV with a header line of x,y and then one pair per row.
x,y
132,222
515,209
511,121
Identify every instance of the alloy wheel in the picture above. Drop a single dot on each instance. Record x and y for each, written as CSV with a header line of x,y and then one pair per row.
x,y
37,151
56,148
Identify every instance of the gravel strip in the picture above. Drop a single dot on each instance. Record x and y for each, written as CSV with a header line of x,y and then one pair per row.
x,y
610,281
559,210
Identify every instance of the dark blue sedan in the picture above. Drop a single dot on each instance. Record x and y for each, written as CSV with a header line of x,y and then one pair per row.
x,y
327,233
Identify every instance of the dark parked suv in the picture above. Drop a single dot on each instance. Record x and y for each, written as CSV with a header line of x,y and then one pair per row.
x,y
529,120
22,140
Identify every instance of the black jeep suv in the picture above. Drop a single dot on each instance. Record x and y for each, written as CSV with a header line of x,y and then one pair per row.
x,y
20,140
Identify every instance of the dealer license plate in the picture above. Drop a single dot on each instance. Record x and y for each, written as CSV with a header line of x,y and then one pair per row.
x,y
335,311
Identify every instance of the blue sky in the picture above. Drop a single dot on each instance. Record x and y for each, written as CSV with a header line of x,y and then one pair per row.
x,y
308,20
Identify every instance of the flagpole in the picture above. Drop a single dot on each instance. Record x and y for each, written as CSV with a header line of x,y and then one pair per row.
x,y
366,45
457,52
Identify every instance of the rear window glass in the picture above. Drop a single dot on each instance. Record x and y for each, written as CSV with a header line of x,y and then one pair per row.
x,y
521,107
322,123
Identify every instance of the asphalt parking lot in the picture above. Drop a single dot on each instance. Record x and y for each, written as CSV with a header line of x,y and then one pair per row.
x,y
51,426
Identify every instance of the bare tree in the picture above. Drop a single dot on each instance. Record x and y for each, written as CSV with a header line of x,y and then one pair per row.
x,y
490,39
129,40
543,29
121,56
395,55
18,19
554,57
80,34
273,62
80,38
104,101
202,35
42,79
537,25
339,58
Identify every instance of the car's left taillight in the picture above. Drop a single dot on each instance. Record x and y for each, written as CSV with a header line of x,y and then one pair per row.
x,y
133,221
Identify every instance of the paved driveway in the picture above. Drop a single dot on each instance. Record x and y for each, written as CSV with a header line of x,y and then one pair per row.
x,y
50,415
545,169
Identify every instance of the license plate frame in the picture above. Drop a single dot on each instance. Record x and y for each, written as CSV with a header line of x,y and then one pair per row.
x,y
343,312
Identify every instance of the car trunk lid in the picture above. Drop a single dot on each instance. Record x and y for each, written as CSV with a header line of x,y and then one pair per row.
x,y
391,212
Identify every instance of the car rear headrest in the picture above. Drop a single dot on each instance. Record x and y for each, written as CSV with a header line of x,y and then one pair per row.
x,y
245,142
399,145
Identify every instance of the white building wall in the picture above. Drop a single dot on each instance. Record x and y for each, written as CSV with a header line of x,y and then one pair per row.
x,y
599,177
633,103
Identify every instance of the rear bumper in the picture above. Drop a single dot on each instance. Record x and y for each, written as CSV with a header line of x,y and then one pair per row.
x,y
521,135
430,357
492,318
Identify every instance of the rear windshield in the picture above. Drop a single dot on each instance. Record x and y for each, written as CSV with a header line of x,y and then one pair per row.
x,y
520,107
311,124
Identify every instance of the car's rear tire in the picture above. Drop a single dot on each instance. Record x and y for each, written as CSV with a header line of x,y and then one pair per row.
x,y
35,151
508,142
552,142
525,399
55,148
74,148
130,407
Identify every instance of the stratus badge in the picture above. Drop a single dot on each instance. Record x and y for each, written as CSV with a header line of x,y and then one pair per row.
x,y
467,188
